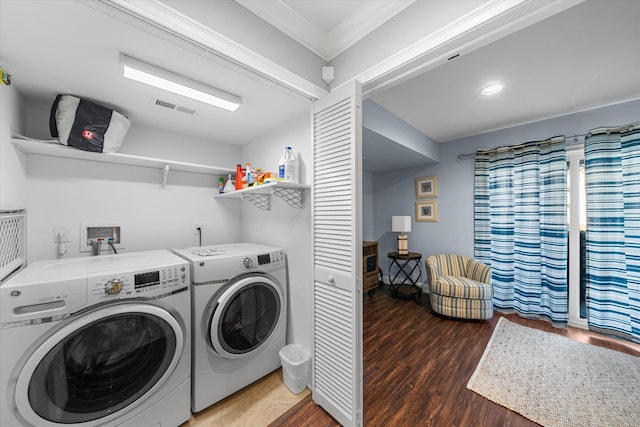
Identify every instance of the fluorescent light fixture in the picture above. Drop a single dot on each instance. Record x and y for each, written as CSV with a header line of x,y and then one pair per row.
x,y
149,74
491,89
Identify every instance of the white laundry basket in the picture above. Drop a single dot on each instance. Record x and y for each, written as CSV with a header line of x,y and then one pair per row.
x,y
296,363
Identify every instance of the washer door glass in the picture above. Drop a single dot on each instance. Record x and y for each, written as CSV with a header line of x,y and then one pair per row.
x,y
95,367
246,315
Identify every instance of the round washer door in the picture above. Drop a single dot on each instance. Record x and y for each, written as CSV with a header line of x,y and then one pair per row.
x,y
98,365
246,315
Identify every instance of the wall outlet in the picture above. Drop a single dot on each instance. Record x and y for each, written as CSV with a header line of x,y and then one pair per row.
x,y
197,229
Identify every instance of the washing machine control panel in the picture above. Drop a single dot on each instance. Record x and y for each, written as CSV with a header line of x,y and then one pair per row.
x,y
113,287
147,283
263,261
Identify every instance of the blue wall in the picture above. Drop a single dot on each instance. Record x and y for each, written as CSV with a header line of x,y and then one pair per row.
x,y
394,192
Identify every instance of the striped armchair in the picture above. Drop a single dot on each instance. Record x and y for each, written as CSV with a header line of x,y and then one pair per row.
x,y
459,286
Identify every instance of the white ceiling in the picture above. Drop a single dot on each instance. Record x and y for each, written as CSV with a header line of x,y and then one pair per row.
x,y
584,57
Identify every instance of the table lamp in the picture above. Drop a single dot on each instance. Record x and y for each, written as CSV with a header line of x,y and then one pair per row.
x,y
401,224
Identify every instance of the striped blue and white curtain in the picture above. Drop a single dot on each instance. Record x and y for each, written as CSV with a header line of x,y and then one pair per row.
x,y
612,164
520,208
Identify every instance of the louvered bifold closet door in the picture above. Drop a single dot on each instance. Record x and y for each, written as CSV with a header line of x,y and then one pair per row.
x,y
337,251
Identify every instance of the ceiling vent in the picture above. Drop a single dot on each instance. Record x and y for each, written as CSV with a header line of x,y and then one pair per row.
x,y
186,110
172,106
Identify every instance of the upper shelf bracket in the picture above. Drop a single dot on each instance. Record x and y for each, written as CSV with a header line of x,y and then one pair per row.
x,y
293,196
261,201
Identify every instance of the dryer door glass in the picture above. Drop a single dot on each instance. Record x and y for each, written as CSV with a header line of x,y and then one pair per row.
x,y
101,367
247,318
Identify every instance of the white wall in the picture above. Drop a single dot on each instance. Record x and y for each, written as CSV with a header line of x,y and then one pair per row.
x,y
395,191
385,123
66,192
13,180
286,226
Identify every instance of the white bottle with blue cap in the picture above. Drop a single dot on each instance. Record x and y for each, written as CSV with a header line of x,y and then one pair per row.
x,y
288,170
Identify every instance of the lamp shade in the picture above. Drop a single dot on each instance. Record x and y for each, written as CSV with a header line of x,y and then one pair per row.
x,y
401,224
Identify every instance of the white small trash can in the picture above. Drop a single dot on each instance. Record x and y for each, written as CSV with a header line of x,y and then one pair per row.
x,y
296,362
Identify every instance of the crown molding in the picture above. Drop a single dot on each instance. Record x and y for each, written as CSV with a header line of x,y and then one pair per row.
x,y
288,21
357,27
327,45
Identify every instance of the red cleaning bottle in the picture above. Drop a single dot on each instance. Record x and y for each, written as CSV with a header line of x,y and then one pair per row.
x,y
240,172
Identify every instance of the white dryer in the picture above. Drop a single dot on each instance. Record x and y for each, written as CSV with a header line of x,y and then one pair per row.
x,y
239,318
97,341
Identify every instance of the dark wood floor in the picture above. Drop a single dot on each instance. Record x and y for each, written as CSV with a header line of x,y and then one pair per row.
x,y
417,364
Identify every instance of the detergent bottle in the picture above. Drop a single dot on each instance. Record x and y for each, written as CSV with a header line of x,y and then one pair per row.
x,y
288,167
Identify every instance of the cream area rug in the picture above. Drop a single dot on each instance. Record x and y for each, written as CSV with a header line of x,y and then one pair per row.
x,y
555,381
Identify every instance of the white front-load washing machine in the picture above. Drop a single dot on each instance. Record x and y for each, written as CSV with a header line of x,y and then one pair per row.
x,y
97,341
239,318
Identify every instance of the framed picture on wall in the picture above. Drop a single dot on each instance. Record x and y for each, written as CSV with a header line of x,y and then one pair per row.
x,y
427,186
427,211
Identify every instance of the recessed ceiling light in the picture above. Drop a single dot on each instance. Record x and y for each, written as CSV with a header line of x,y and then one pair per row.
x,y
491,89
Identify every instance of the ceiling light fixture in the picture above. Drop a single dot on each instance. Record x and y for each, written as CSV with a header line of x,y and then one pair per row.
x,y
149,74
491,89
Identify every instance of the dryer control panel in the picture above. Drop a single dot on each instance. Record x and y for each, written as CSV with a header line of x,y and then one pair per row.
x,y
146,283
263,261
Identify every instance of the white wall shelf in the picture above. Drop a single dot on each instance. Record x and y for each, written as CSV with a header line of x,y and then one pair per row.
x,y
57,150
260,196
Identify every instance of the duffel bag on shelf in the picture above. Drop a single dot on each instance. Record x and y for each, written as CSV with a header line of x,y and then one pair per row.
x,y
87,126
